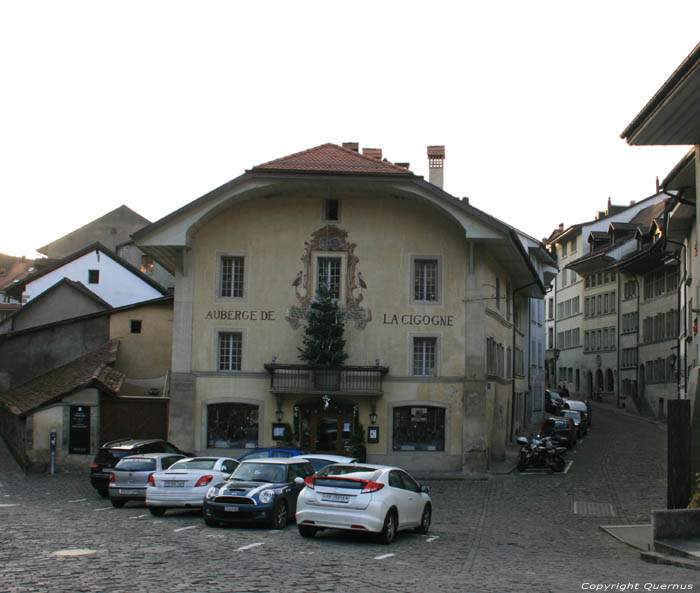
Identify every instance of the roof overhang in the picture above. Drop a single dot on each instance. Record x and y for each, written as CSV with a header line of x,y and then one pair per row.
x,y
672,116
590,264
165,239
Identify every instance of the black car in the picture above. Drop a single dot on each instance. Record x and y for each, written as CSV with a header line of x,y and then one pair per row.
x,y
553,401
260,490
110,453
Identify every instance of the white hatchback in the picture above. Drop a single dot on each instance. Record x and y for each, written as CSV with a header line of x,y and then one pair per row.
x,y
363,497
185,483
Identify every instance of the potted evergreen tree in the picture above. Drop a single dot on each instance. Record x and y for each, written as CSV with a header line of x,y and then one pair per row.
x,y
323,344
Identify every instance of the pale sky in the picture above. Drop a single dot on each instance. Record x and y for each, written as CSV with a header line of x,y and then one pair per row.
x,y
154,103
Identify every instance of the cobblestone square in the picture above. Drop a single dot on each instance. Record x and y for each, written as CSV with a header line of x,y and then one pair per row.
x,y
501,533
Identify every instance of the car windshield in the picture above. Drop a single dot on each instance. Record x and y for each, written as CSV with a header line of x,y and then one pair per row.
x,y
196,463
137,464
260,472
572,415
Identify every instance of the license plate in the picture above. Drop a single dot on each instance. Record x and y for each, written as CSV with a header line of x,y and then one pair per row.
x,y
335,498
230,509
129,491
174,484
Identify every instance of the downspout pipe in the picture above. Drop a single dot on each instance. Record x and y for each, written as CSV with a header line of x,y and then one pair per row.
x,y
685,328
679,197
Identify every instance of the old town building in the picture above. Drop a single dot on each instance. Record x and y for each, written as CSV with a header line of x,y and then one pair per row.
x,y
436,296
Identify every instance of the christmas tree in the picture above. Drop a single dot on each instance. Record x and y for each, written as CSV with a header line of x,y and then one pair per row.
x,y
323,341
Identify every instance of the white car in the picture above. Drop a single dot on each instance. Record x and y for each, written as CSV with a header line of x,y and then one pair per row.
x,y
184,484
321,460
363,497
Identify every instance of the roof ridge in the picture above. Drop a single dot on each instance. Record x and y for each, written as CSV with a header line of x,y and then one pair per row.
x,y
287,162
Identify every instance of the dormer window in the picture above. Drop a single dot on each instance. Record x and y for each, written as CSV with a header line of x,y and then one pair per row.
x,y
331,210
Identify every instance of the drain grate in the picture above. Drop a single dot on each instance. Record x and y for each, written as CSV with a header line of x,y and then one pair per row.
x,y
594,509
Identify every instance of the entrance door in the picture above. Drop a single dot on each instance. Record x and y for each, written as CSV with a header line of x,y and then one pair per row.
x,y
327,433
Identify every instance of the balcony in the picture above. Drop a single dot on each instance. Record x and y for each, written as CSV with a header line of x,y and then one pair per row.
x,y
346,380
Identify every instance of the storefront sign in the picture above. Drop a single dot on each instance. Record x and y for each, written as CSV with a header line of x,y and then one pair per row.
x,y
237,315
79,430
409,319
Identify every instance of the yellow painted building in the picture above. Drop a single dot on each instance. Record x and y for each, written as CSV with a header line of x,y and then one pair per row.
x,y
432,291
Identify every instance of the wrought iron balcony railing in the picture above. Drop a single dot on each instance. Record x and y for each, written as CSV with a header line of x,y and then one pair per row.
x,y
349,380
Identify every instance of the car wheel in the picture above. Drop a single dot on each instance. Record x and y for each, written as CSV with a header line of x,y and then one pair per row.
x,y
212,522
424,520
117,504
388,532
307,531
279,516
157,511
104,493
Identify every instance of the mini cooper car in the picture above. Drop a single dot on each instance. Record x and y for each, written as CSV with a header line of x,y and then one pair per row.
x,y
363,497
184,484
128,479
260,490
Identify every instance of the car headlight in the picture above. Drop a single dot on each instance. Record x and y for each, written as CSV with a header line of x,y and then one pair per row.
x,y
266,496
211,493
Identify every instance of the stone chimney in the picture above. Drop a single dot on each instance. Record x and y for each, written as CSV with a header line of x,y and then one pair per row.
x,y
436,159
354,146
375,153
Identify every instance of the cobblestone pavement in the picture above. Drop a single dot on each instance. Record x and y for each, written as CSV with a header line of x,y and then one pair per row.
x,y
515,532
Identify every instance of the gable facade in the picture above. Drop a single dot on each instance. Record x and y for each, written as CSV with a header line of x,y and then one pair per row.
x,y
426,286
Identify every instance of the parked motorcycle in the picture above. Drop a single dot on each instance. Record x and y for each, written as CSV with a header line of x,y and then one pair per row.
x,y
540,453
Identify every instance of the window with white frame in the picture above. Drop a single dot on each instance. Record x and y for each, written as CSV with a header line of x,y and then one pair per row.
x,y
424,356
232,276
230,351
426,279
328,273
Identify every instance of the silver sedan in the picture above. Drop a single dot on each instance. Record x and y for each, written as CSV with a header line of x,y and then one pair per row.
x,y
128,479
186,482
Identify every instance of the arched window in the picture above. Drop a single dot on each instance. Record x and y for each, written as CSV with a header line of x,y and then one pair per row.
x,y
232,425
418,428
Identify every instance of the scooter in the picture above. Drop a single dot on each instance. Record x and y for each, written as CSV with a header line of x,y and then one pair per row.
x,y
539,452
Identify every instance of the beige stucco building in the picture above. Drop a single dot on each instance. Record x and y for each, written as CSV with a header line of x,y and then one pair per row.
x,y
433,292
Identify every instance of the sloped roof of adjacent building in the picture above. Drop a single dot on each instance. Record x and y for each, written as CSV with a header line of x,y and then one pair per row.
x,y
77,286
13,269
672,115
331,158
18,287
118,216
90,370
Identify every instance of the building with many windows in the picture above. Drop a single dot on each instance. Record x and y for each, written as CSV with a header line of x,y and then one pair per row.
x,y
437,300
593,307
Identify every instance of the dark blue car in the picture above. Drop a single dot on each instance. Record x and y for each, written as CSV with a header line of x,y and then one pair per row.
x,y
259,490
265,452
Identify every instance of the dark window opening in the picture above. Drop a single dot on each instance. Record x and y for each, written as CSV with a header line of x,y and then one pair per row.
x,y
331,210
93,276
135,326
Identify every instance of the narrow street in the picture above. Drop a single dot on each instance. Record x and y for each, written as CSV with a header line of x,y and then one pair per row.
x,y
515,532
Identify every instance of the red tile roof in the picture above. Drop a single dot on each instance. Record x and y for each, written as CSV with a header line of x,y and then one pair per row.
x,y
91,369
331,158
